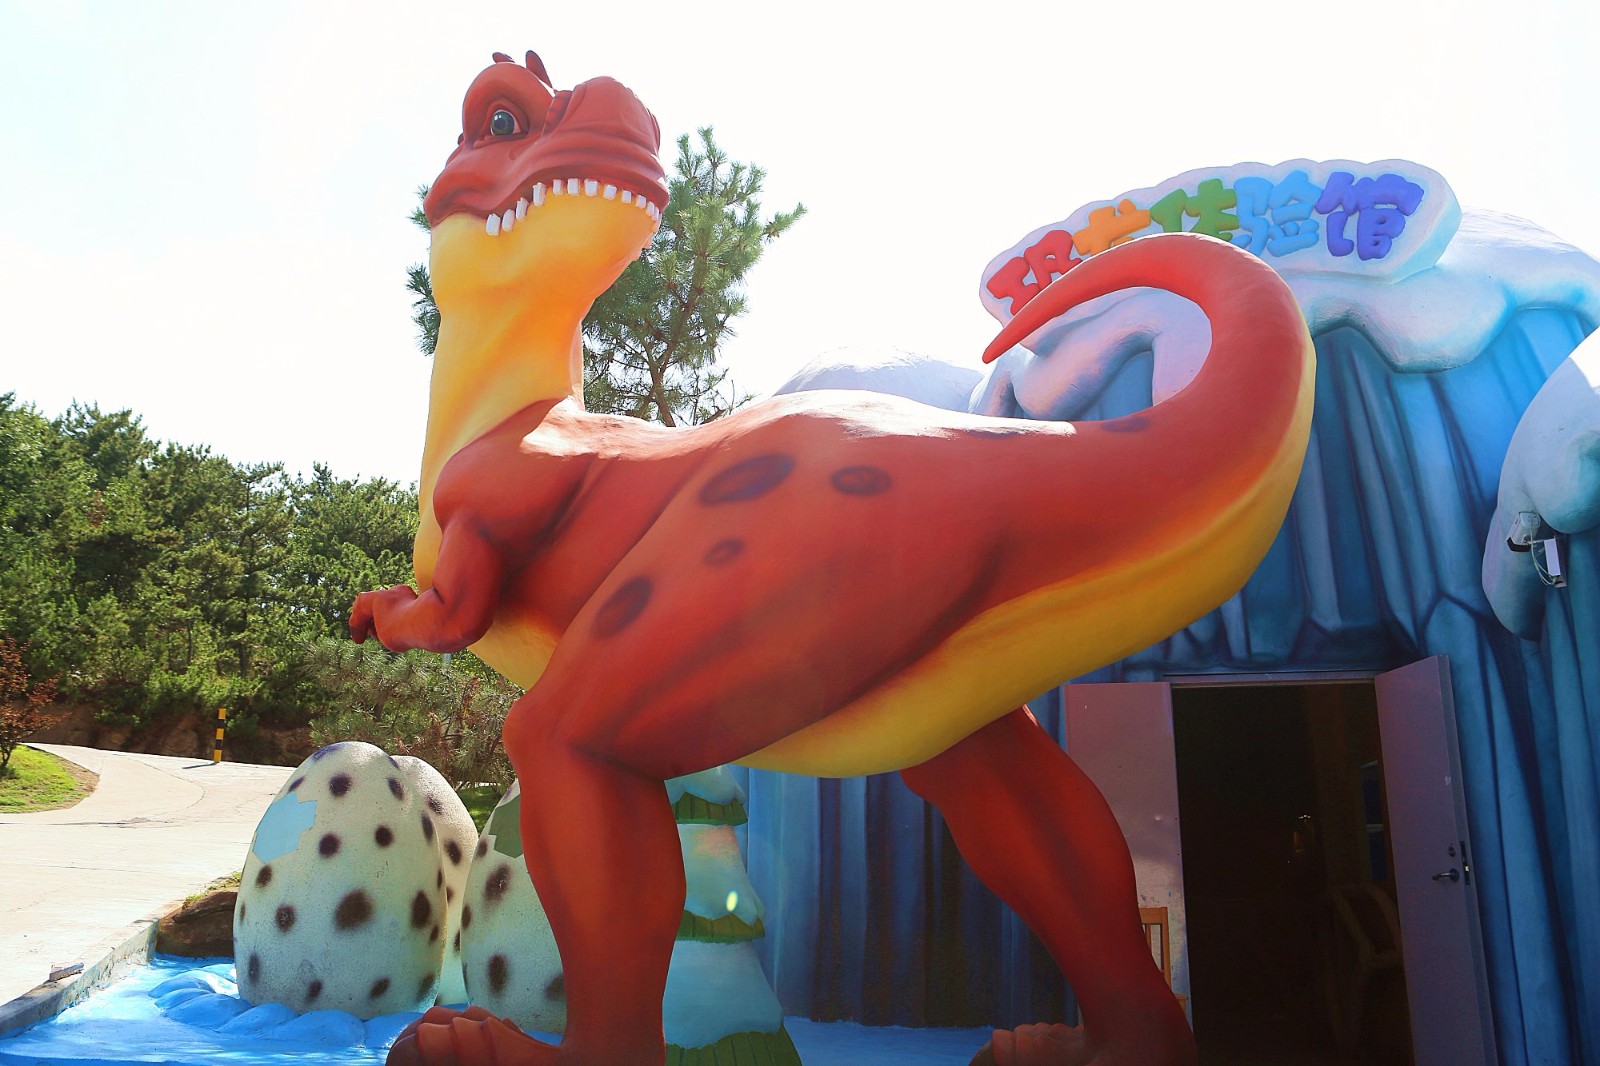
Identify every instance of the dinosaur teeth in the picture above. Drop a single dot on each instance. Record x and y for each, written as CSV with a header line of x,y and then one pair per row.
x,y
504,221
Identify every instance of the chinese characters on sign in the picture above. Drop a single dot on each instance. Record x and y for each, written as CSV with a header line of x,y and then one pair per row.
x,y
1322,212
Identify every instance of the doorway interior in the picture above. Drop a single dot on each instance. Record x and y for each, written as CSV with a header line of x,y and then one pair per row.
x,y
1293,937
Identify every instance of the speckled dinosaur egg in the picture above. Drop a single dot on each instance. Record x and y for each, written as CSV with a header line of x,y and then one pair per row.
x,y
507,949
456,835
342,905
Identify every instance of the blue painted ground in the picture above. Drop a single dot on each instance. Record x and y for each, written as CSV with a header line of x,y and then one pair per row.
x,y
185,1012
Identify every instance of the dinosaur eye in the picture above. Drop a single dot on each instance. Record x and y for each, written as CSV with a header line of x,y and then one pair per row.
x,y
503,123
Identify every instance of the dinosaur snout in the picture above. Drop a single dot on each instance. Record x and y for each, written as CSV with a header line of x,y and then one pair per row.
x,y
601,127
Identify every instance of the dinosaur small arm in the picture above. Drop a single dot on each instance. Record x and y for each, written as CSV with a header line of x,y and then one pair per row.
x,y
828,583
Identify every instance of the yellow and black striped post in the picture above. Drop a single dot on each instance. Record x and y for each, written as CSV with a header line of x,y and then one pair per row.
x,y
222,720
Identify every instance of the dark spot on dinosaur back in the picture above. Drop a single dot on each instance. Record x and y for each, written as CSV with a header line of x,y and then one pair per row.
x,y
397,788
379,987
383,835
355,909
499,972
264,877
861,480
320,752
557,988
466,915
724,552
438,877
328,846
494,889
421,910
313,990
453,849
284,917
457,942
339,784
433,934
625,604
242,909
747,480
253,970
449,894
427,826
1125,424
296,783
425,985
482,849
435,805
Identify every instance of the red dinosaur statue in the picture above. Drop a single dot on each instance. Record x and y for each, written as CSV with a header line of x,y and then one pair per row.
x,y
828,583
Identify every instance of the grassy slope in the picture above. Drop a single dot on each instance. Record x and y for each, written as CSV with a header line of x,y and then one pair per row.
x,y
36,781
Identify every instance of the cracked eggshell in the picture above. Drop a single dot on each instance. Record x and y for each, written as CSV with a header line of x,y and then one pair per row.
x,y
342,900
508,952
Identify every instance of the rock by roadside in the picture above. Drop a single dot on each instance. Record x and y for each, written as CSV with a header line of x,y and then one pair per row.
x,y
187,736
201,928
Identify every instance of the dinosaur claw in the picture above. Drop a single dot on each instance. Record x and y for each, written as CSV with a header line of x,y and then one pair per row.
x,y
1036,1045
473,1037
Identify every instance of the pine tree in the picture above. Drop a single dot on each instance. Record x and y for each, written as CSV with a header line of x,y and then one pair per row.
x,y
652,340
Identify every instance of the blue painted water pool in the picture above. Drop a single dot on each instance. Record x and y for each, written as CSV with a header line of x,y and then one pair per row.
x,y
186,1012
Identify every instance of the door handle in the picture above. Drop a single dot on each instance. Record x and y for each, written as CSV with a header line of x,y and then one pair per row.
x,y
1451,874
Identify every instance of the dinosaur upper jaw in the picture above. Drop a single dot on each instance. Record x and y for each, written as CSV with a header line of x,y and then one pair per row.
x,y
520,143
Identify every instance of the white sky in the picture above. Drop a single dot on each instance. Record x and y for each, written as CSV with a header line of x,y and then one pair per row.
x,y
203,207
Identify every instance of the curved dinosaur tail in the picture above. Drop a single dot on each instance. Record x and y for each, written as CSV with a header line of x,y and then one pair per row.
x,y
1093,541
1191,492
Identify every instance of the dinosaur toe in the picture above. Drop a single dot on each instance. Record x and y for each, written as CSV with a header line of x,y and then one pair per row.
x,y
473,1037
1036,1045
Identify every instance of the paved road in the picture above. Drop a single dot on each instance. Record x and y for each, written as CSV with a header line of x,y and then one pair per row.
x,y
156,830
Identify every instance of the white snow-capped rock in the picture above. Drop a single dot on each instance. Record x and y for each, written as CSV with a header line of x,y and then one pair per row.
x,y
1552,470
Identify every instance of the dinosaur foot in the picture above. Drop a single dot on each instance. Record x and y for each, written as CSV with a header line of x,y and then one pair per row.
x,y
1036,1045
474,1037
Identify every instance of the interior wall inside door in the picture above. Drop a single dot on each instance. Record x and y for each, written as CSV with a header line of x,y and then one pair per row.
x,y
1293,940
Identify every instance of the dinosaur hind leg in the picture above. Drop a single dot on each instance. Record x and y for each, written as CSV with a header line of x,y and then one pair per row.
x,y
1039,834
601,845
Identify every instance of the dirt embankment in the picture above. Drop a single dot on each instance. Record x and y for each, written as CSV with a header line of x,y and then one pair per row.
x,y
183,735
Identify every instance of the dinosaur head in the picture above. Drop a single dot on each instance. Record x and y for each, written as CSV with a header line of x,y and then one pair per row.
x,y
560,189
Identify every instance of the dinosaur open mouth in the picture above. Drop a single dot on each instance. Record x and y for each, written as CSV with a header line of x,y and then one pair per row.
x,y
504,221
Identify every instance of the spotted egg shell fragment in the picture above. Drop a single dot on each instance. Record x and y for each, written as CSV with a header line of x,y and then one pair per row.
x,y
342,903
508,952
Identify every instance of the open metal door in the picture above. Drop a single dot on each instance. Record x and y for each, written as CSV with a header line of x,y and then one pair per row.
x,y
1446,982
1121,736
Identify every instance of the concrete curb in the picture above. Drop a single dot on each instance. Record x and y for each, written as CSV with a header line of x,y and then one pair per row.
x,y
127,947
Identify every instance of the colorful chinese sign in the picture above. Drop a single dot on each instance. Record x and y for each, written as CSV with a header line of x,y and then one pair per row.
x,y
1389,219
